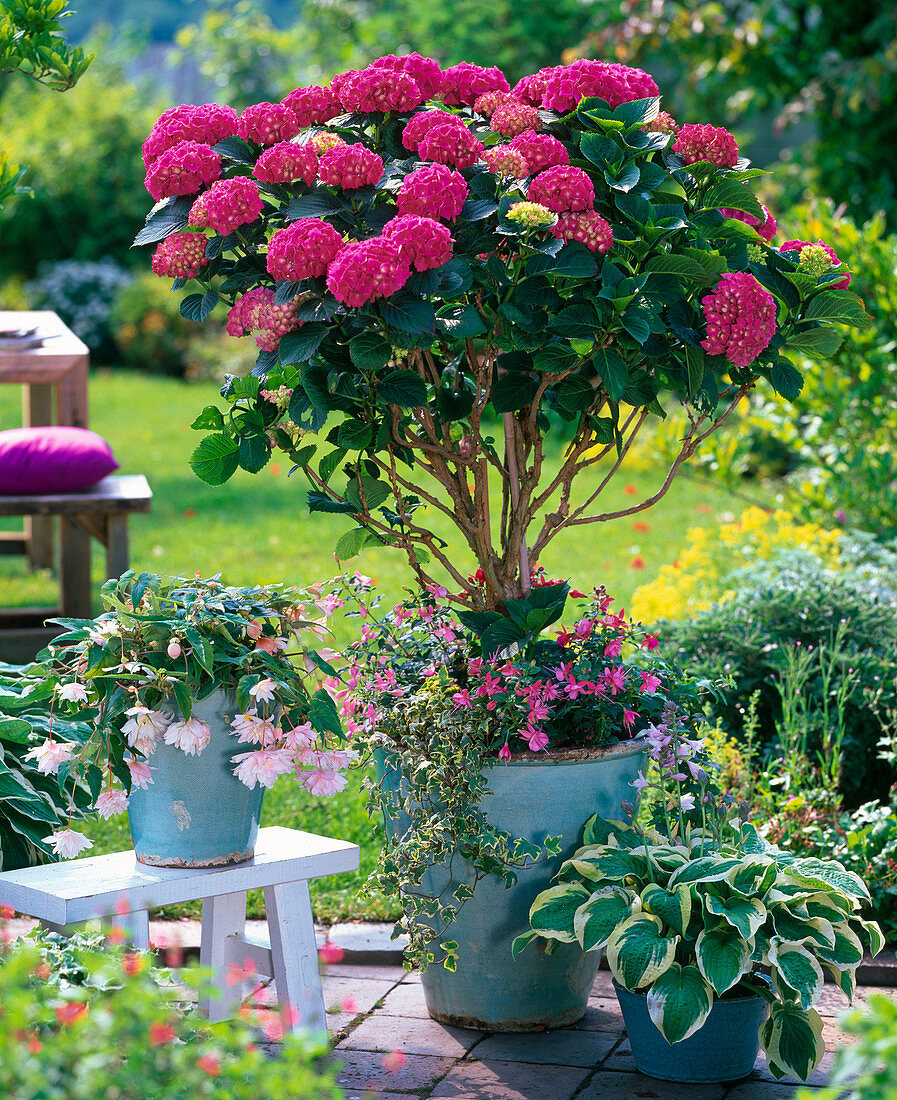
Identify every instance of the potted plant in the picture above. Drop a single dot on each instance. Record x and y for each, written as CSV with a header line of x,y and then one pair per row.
x,y
718,942
188,705
440,271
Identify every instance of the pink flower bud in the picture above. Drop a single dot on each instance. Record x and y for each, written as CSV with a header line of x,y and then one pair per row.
x,y
174,649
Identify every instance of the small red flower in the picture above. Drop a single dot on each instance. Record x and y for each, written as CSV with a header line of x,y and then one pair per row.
x,y
71,1011
209,1064
160,1034
637,563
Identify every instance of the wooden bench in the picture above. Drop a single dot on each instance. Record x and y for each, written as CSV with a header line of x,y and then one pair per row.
x,y
121,890
100,512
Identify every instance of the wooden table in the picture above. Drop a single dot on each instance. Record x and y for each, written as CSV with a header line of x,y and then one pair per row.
x,y
62,362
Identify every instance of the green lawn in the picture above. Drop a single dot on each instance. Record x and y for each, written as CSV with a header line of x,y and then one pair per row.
x,y
258,528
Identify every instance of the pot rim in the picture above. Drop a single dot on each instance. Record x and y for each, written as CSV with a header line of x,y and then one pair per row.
x,y
572,756
716,1000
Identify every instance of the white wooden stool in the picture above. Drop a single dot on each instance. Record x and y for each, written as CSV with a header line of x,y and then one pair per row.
x,y
61,895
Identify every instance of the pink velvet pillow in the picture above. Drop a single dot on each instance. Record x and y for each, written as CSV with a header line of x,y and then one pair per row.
x,y
52,460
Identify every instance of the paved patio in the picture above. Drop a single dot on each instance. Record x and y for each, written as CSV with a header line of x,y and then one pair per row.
x,y
390,1048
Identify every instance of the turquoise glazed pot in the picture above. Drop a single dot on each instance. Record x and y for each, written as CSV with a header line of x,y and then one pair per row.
x,y
196,813
533,799
725,1048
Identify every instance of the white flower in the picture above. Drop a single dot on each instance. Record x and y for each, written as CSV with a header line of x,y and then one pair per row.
x,y
255,730
141,774
67,843
72,693
262,766
190,736
299,737
337,759
144,728
263,691
687,802
321,782
50,755
111,802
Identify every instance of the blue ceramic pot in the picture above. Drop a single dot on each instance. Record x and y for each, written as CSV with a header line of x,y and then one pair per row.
x,y
725,1048
196,813
532,799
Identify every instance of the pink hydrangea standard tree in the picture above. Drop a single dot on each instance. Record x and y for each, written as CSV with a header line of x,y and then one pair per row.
x,y
421,254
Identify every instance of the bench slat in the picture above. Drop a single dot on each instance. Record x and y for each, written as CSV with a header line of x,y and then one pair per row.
x,y
117,493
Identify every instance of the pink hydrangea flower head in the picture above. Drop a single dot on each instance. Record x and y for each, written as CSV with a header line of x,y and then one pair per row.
x,y
767,228
422,242
313,104
540,150
533,215
350,167
563,188
585,226
424,70
697,141
182,170
367,270
816,268
245,313
256,312
377,89
287,162
434,191
462,84
451,145
741,318
268,123
303,249
566,85
206,124
199,211
504,160
511,119
180,255
487,103
231,203
531,89
422,123
324,140
663,124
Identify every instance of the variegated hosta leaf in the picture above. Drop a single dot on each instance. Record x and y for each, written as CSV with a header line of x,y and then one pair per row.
x,y
551,914
871,933
846,950
744,914
797,968
823,874
843,977
612,864
672,906
596,919
597,830
834,907
751,841
679,1002
792,1039
667,859
788,893
638,952
705,869
723,956
760,953
796,928
753,877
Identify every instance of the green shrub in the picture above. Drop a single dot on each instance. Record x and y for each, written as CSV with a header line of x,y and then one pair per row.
x,y
82,293
867,1069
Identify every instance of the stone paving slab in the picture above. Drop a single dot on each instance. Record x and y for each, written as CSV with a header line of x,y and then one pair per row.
x,y
363,1069
509,1081
379,1032
565,1048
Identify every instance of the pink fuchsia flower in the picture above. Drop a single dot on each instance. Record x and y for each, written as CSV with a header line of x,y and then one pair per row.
x,y
367,270
350,167
111,802
741,318
67,843
268,123
303,249
287,162
566,85
531,89
614,680
49,755
504,753
434,191
227,205
322,783
451,145
462,84
817,252
540,151
512,118
487,103
585,226
72,692
767,228
182,170
313,104
379,89
562,189
206,124
704,142
423,242
190,735
422,123
536,739
652,641
141,774
424,70
504,160
650,683
629,717
262,767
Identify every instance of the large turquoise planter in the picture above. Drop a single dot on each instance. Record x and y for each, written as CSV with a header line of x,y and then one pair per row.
x,y
725,1048
196,813
532,799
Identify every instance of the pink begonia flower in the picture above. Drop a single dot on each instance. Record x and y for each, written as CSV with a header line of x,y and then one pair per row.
x,y
313,104
262,767
512,118
463,84
434,191
254,730
190,735
419,125
696,142
287,162
426,72
182,170
766,229
174,649
337,759
585,226
272,645
378,89
67,843
49,755
111,802
503,160
72,692
144,727
179,256
423,242
367,270
350,167
450,145
741,318
540,151
303,249
562,189
650,683
263,691
299,737
324,783
566,85
207,124
268,123
227,205
504,753
536,739
141,774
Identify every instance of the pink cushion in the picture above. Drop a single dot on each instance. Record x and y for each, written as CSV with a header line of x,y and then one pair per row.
x,y
52,460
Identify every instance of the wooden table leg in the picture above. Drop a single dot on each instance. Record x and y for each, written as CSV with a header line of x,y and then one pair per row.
x,y
117,545
221,917
37,410
71,395
76,599
294,954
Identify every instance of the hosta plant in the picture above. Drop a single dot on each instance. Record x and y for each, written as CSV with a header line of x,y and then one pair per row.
x,y
702,917
439,269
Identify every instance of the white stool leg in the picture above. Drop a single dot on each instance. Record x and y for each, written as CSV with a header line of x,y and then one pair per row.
x,y
294,953
221,917
62,929
135,926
